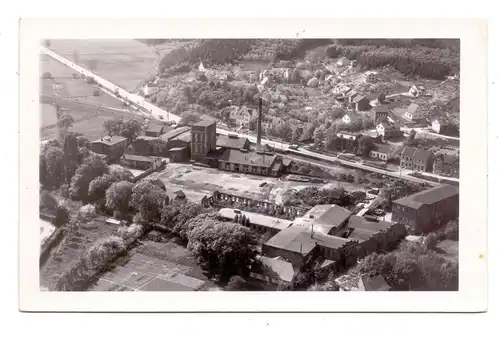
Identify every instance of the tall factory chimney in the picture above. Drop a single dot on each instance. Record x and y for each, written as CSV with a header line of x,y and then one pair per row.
x,y
259,125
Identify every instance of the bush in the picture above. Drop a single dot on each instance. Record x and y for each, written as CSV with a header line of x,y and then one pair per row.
x,y
131,233
451,231
236,283
97,92
86,213
95,260
47,75
48,203
61,216
431,241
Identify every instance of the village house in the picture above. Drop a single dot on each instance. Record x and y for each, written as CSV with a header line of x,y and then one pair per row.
x,y
345,141
379,113
232,141
272,270
361,103
380,152
388,130
425,210
343,61
243,116
150,89
370,77
271,123
156,130
416,91
111,147
414,113
445,164
244,161
341,89
441,126
351,95
140,162
417,159
351,117
362,283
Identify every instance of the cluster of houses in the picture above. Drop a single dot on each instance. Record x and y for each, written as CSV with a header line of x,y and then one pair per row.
x,y
339,238
199,143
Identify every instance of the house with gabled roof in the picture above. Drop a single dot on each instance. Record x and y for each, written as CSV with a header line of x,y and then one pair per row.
x,y
416,159
425,210
445,164
414,112
361,103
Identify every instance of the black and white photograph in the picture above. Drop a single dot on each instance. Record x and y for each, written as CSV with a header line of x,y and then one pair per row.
x,y
224,164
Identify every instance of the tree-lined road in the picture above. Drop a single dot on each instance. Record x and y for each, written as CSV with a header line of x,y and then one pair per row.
x,y
158,113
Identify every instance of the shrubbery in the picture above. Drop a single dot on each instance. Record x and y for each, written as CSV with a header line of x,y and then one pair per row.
x,y
95,260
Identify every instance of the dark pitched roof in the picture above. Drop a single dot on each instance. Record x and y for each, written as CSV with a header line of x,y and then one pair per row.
x,y
381,108
294,239
361,234
110,140
333,216
247,158
447,159
423,155
376,283
382,148
442,121
428,197
231,142
174,133
408,151
352,116
276,267
204,123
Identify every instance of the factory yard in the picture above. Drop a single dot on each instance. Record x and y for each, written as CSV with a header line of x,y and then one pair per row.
x,y
155,266
197,182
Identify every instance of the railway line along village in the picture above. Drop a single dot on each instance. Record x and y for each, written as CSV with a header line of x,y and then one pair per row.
x,y
249,165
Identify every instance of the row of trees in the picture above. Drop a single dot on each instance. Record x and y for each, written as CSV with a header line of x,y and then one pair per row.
x,y
128,128
413,266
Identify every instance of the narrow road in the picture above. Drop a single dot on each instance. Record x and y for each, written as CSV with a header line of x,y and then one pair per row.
x,y
163,115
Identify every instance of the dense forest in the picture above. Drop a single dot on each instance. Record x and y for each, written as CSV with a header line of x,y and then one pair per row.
x,y
435,63
220,51
429,58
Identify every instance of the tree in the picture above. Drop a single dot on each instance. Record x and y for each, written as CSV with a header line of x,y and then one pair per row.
x,y
236,283
98,187
188,118
284,131
128,128
76,56
48,203
367,123
148,199
91,168
296,134
381,97
331,137
92,65
411,138
431,241
223,249
64,122
46,43
72,155
121,173
61,216
365,145
118,196
51,167
319,135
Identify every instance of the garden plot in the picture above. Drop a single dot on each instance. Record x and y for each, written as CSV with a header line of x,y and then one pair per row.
x,y
155,266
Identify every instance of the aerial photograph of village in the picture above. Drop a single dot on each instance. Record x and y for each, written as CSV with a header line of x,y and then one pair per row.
x,y
249,164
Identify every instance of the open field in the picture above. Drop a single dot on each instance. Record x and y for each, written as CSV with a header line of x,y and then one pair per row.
x,y
76,242
155,266
197,182
62,84
124,62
